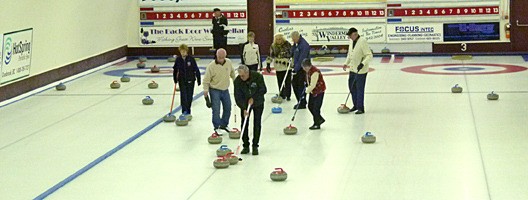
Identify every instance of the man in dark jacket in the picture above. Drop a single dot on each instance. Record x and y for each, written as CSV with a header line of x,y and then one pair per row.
x,y
249,90
219,30
300,51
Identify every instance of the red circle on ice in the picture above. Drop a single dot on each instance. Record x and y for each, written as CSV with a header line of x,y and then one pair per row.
x,y
421,69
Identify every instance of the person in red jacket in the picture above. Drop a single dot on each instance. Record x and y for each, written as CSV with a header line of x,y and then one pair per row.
x,y
316,89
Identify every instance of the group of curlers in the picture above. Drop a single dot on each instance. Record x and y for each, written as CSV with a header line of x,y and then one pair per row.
x,y
292,66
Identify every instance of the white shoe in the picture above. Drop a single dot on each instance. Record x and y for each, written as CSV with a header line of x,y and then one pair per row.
x,y
226,129
218,131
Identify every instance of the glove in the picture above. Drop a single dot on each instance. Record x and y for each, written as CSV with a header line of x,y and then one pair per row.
x,y
268,69
360,66
208,102
199,83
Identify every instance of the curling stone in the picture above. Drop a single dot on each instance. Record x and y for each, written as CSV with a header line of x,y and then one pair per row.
x,y
154,69
141,65
278,175
343,51
115,85
290,130
223,150
60,87
343,109
148,101
313,52
493,96
142,59
169,118
334,50
235,134
214,139
153,85
277,99
368,138
181,121
125,78
385,50
233,160
171,59
276,110
221,162
456,89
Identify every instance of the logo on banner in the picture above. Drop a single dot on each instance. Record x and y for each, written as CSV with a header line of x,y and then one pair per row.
x,y
330,34
8,50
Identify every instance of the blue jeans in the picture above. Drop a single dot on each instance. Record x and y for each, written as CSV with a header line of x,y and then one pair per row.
x,y
220,97
356,85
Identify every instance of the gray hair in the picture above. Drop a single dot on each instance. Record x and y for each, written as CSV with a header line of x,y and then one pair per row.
x,y
295,34
243,68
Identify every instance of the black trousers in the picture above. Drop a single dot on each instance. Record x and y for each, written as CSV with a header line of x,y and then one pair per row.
x,y
219,41
186,95
286,91
314,105
253,67
298,86
257,125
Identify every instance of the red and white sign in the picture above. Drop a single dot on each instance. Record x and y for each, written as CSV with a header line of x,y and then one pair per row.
x,y
189,15
332,13
454,11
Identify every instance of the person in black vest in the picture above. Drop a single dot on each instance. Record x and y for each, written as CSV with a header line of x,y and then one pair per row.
x,y
250,90
316,89
219,30
185,73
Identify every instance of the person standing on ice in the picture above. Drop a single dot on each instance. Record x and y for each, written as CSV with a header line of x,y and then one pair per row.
x,y
316,89
250,90
216,89
251,54
186,72
357,62
300,51
280,54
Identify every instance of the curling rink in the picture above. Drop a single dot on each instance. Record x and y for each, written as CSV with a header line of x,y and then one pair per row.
x,y
93,142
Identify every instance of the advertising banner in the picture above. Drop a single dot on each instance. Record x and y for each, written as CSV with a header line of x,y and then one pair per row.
x,y
333,34
190,35
471,31
414,33
16,56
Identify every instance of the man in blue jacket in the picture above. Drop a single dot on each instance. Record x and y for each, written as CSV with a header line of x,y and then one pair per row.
x,y
300,51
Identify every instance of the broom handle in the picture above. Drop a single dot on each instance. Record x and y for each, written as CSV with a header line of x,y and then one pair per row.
x,y
285,76
173,94
242,131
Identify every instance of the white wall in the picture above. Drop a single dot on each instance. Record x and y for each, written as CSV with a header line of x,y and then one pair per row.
x,y
67,31
133,24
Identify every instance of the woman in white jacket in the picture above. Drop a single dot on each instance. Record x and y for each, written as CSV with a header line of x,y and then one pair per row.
x,y
251,54
357,62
